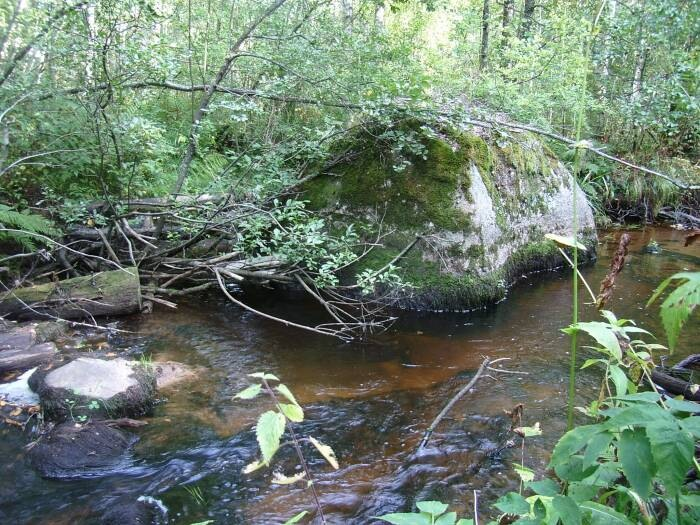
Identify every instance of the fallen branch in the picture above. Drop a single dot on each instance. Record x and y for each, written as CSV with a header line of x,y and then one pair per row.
x,y
452,402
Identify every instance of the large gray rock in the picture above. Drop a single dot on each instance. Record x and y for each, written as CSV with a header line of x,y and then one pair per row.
x,y
93,388
480,204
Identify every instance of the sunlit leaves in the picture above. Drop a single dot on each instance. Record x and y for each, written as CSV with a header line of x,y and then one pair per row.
x,y
325,451
280,479
250,392
567,242
268,431
680,303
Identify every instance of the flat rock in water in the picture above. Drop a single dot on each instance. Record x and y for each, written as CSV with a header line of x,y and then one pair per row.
x,y
94,378
89,388
70,450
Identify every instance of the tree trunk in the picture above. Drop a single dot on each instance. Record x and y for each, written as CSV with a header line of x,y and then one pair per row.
x,y
106,293
528,15
484,51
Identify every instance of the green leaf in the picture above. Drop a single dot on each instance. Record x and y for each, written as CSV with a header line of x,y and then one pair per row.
x,y
571,442
619,379
282,389
407,518
565,241
681,405
293,412
680,303
261,375
250,392
567,509
544,487
526,474
604,335
465,521
447,519
512,503
434,508
598,445
297,518
672,449
692,425
602,515
327,453
269,430
634,453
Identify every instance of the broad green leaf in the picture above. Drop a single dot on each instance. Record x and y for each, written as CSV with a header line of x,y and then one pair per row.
x,y
407,518
680,303
637,415
326,452
598,445
465,521
544,487
672,449
565,241
512,503
602,515
261,375
619,379
250,392
434,508
567,509
572,470
681,405
297,518
526,474
293,412
269,430
692,425
280,479
571,442
644,397
604,335
447,519
282,389
634,453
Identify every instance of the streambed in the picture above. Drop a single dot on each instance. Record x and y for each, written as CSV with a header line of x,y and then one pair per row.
x,y
371,402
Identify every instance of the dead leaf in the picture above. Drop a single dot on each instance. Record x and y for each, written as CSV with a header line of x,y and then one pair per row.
x,y
16,412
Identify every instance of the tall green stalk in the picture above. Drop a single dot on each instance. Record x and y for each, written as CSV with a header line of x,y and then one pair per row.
x,y
580,116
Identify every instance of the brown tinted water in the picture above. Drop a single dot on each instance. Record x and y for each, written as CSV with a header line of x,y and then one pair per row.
x,y
371,402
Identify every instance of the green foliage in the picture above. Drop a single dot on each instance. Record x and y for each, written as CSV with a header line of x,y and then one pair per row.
x,y
28,223
679,304
429,513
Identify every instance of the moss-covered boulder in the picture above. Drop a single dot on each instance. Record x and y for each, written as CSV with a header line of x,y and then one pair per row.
x,y
481,205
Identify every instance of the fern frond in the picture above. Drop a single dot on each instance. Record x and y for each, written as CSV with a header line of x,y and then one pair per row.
x,y
29,222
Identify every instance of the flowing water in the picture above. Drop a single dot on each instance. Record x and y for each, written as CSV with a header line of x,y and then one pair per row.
x,y
371,402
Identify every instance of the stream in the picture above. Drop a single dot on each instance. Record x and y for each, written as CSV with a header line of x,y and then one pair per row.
x,y
371,402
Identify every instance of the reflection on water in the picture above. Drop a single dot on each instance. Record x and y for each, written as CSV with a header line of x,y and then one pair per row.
x,y
371,402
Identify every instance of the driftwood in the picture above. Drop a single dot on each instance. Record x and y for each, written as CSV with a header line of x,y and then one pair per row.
x,y
452,402
106,293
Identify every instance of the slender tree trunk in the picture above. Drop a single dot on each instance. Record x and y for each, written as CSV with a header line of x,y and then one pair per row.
x,y
184,168
484,51
10,25
508,12
528,15
638,79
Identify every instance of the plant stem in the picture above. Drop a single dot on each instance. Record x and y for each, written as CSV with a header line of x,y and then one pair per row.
x,y
299,452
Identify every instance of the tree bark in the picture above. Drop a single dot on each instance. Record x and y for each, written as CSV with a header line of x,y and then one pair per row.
x,y
484,51
528,15
107,293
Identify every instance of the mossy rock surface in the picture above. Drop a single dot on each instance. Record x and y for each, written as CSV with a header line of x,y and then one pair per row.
x,y
481,205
